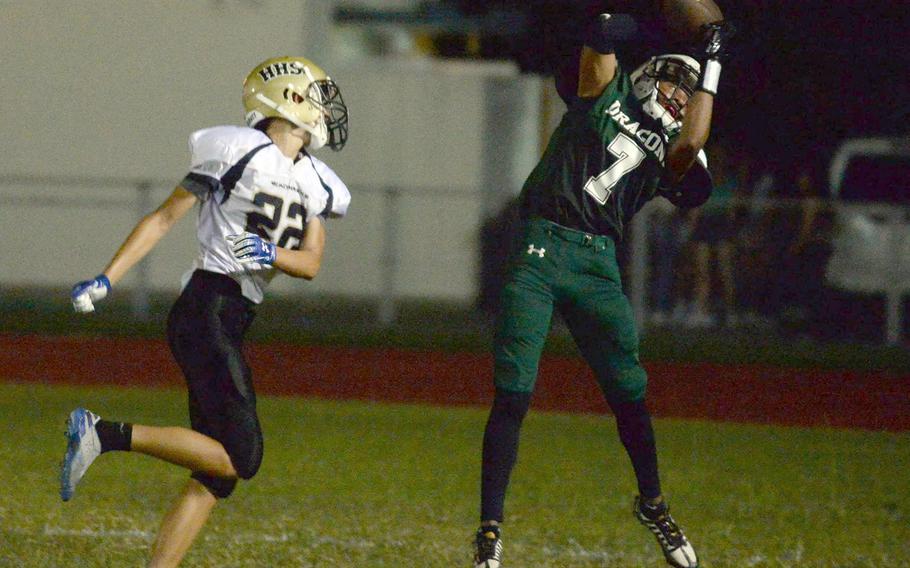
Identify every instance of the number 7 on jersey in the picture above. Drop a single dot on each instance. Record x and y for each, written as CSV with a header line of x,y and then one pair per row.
x,y
628,157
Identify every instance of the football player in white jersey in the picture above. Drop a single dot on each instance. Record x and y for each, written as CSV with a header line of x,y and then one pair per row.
x,y
263,201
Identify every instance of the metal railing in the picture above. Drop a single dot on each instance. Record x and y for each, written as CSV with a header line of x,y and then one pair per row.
x,y
886,275
387,297
141,205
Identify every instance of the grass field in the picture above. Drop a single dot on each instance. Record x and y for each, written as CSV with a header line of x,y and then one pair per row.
x,y
373,485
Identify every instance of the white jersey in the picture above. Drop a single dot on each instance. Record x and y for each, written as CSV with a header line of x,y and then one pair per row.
x,y
245,183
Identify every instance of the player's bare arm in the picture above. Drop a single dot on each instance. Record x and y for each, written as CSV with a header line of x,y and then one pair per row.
x,y
595,71
148,231
305,262
696,126
300,263
597,63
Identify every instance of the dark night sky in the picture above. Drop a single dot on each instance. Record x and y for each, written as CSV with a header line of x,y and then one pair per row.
x,y
812,73
806,74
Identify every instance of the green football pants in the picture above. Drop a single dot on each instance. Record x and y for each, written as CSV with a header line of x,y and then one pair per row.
x,y
577,274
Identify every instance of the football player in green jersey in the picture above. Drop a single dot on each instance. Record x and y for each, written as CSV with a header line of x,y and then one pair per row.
x,y
624,139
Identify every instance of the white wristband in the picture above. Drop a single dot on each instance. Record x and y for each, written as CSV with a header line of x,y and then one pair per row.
x,y
710,76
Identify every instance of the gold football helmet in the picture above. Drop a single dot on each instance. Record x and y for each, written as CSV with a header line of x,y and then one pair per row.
x,y
296,89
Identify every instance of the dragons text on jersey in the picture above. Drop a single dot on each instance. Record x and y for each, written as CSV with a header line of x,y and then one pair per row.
x,y
652,140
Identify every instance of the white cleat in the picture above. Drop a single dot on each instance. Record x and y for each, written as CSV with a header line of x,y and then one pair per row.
x,y
677,549
83,446
487,548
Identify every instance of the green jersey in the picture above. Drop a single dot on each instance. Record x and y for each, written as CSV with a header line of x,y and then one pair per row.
x,y
603,163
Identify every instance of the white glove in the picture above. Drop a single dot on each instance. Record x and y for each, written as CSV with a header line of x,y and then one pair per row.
x,y
87,292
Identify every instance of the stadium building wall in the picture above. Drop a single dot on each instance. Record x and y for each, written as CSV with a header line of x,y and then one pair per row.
x,y
112,91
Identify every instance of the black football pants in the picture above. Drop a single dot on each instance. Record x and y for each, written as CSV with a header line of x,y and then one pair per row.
x,y
205,330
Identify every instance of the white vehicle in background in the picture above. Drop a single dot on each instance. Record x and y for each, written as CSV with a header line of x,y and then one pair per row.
x,y
869,180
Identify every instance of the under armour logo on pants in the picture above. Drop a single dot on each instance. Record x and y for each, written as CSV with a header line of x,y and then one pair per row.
x,y
538,251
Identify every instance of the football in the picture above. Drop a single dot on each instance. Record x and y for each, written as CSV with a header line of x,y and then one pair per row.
x,y
685,18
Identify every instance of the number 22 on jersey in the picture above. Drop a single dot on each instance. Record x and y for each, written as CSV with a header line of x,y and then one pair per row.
x,y
266,226
628,156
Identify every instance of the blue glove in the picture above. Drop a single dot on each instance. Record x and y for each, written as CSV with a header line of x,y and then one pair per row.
x,y
250,247
86,293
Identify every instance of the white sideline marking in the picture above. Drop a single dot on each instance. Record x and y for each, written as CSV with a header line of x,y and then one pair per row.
x,y
576,551
238,538
98,533
572,551
348,543
254,537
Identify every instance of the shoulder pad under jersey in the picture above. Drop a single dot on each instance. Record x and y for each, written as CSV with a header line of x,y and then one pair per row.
x,y
339,196
222,144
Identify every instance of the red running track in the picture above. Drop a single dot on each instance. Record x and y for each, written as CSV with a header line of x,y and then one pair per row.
x,y
731,393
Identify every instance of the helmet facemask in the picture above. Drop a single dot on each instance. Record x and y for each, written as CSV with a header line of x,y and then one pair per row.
x,y
334,111
664,85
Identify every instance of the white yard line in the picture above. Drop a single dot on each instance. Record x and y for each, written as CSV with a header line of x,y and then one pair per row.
x,y
242,537
573,551
97,533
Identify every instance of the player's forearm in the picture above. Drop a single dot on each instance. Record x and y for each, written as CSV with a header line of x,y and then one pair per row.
x,y
597,63
694,134
148,232
298,263
305,261
143,238
596,70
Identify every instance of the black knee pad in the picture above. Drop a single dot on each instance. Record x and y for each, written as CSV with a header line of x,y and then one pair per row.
x,y
247,463
624,386
220,487
243,443
246,456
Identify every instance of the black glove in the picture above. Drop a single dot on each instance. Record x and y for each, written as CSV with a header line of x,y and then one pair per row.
x,y
716,41
714,49
605,31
